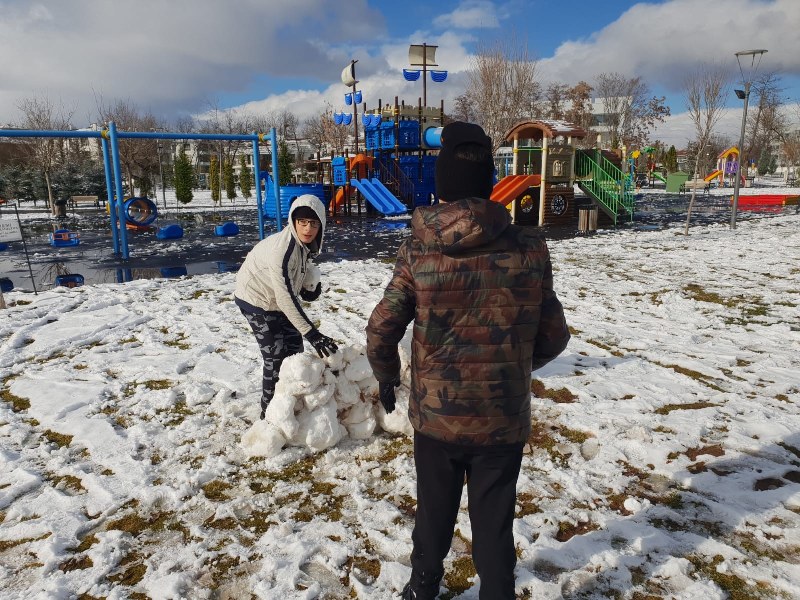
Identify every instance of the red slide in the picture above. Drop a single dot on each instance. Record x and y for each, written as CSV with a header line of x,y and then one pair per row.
x,y
512,186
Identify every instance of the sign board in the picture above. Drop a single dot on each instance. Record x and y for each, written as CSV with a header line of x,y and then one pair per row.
x,y
10,231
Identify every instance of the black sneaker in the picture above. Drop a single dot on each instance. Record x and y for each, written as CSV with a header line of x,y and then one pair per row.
x,y
408,593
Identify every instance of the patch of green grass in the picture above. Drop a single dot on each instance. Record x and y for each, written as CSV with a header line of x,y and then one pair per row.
x,y
668,408
69,482
76,563
605,347
59,439
136,524
526,505
178,342
6,544
215,490
17,404
706,380
734,586
567,530
459,577
177,413
560,396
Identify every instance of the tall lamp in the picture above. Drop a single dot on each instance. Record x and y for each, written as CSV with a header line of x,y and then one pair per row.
x,y
755,61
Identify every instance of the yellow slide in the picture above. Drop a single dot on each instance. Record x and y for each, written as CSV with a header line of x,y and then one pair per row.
x,y
713,175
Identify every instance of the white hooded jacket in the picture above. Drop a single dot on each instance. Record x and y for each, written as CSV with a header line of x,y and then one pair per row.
x,y
279,266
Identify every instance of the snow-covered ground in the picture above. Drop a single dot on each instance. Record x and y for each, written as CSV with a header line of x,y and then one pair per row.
x,y
665,459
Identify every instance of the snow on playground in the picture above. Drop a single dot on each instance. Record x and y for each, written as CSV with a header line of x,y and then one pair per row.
x,y
664,462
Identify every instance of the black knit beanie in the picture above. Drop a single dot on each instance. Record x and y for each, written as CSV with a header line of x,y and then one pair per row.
x,y
304,212
465,167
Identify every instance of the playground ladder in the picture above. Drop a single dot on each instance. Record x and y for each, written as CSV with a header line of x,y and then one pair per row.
x,y
604,182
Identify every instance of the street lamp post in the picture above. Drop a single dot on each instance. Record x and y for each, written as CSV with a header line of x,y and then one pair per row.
x,y
743,95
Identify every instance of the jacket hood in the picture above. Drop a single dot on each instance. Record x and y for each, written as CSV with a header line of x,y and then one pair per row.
x,y
314,203
460,226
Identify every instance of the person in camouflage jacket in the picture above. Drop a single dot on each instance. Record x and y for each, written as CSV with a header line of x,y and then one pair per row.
x,y
480,292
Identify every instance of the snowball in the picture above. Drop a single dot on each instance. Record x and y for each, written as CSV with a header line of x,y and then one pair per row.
x,y
318,397
263,439
280,413
358,369
397,421
312,277
590,448
319,429
300,374
319,402
347,392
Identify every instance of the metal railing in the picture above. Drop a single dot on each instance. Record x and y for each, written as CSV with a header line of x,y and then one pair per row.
x,y
398,182
605,182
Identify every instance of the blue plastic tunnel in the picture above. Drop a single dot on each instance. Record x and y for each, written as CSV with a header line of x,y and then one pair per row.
x,y
140,212
433,137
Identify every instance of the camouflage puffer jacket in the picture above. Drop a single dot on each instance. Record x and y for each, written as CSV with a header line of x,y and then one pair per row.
x,y
480,292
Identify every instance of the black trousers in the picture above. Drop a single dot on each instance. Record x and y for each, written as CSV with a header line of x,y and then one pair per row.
x,y
277,338
491,474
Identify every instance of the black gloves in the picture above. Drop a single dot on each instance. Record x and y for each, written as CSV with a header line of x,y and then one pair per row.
x,y
324,345
309,295
386,392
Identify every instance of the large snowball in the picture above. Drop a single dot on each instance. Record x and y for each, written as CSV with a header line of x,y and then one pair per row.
x,y
263,439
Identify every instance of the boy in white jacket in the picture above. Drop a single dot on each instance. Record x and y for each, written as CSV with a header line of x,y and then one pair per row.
x,y
274,276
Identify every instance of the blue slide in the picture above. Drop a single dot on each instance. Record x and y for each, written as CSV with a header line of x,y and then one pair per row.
x,y
382,199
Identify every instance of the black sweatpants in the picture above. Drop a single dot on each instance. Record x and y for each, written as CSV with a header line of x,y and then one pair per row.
x,y
491,473
277,338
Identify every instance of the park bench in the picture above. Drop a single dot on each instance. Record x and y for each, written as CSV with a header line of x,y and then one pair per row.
x,y
696,184
74,201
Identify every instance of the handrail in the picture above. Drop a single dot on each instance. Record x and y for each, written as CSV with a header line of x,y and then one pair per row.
x,y
607,183
403,186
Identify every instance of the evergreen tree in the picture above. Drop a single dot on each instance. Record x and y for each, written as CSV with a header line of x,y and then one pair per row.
x,y
245,176
183,178
763,162
230,182
285,163
672,160
213,179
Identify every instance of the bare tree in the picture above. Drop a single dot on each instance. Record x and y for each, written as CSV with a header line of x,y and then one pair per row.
x,y
502,87
579,99
138,158
705,90
463,109
767,121
39,113
630,114
556,98
314,131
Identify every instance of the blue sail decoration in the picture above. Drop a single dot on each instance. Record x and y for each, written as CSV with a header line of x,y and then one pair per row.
x,y
358,97
337,118
438,76
348,99
366,119
347,119
411,74
375,120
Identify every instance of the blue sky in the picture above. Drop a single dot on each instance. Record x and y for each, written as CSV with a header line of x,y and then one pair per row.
x,y
186,56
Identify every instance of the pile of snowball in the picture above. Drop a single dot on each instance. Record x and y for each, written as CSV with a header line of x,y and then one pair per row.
x,y
318,402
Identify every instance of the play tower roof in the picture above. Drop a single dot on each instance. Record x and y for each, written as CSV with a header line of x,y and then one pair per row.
x,y
536,130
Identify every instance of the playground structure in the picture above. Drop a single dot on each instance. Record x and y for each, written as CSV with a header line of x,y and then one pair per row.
x,y
755,201
395,174
119,215
727,165
546,165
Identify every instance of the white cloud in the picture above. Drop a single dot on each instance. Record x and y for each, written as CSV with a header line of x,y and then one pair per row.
x,y
169,56
470,14
662,42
